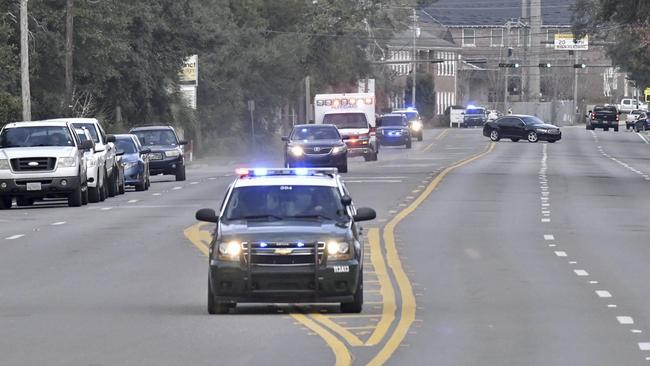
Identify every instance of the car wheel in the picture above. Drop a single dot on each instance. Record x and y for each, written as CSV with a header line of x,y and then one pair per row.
x,y
94,194
139,187
24,202
122,189
372,156
494,135
180,174
5,203
514,139
356,306
84,196
532,136
214,306
103,192
75,199
616,129
343,168
113,186
420,137
409,144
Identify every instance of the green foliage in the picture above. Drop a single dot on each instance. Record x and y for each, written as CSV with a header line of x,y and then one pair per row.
x,y
424,94
626,25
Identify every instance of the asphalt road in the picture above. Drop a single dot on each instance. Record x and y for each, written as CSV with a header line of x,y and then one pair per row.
x,y
482,254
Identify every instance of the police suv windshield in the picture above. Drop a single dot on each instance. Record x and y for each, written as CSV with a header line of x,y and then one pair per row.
x,y
285,202
476,111
393,121
36,136
346,120
315,133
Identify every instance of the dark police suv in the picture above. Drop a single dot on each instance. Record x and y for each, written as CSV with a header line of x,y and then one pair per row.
x,y
286,236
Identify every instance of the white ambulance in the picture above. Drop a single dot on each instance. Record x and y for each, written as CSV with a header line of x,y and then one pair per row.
x,y
354,116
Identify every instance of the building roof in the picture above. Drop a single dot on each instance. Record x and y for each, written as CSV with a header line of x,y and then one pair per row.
x,y
463,13
432,36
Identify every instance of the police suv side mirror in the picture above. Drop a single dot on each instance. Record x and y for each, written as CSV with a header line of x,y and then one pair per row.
x,y
364,214
207,215
86,145
346,200
285,138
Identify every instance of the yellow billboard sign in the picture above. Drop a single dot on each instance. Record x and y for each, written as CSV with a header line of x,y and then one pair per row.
x,y
190,71
568,42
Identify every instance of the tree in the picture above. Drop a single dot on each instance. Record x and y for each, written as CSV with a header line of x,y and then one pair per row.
x,y
626,23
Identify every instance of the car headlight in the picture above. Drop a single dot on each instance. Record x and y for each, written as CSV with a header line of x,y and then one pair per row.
x,y
4,164
172,153
296,151
338,250
541,130
130,165
67,162
338,149
229,251
417,126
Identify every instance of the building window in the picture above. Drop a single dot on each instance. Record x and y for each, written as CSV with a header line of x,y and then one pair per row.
x,y
496,39
469,38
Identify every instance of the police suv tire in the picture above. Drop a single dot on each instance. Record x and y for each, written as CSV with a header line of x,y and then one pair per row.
x,y
75,198
5,203
356,306
409,144
215,307
180,174
24,202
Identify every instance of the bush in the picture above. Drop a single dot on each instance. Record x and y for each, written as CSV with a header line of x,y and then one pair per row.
x,y
10,108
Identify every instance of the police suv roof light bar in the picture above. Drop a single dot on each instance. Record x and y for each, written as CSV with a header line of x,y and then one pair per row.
x,y
264,172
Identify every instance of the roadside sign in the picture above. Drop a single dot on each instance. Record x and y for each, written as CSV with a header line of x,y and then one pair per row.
x,y
190,71
567,42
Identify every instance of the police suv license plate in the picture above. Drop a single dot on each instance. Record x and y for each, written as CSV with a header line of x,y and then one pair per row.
x,y
36,186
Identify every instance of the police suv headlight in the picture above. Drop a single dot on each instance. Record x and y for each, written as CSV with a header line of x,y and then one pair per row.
x,y
172,153
228,251
296,151
338,250
417,126
67,162
4,164
338,149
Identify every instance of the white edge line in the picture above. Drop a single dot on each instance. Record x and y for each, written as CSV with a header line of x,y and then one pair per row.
x,y
643,138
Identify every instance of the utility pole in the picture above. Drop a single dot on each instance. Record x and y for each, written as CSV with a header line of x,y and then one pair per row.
x,y
307,99
523,33
505,70
69,54
24,62
575,83
535,48
415,31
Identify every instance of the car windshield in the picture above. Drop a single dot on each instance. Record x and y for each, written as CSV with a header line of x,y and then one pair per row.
x,y
346,120
156,137
126,144
531,121
36,136
285,202
393,121
91,129
312,133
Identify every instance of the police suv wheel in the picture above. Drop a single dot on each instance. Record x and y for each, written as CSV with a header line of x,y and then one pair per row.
x,y
215,307
356,306
5,203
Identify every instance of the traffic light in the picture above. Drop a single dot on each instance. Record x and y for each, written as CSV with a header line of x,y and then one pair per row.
x,y
579,66
509,65
544,65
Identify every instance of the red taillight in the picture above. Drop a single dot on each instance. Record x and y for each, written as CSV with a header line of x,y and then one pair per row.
x,y
593,116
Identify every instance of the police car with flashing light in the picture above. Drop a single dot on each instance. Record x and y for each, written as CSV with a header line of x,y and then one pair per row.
x,y
414,121
286,236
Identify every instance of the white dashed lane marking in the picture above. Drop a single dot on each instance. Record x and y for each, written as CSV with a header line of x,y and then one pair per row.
x,y
581,272
58,223
625,320
14,237
193,183
133,201
177,188
560,254
107,208
603,293
644,346
156,194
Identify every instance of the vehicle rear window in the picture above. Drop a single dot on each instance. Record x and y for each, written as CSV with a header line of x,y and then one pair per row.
x,y
284,202
315,133
346,120
605,109
36,136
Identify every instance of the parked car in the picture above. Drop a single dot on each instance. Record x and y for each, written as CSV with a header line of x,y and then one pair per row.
x,y
631,118
315,146
135,161
603,116
394,130
517,127
167,155
42,160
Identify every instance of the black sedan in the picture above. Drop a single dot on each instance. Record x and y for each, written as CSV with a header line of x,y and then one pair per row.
x,y
315,146
517,127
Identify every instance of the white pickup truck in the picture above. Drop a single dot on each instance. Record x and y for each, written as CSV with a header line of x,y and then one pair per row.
x,y
42,160
627,105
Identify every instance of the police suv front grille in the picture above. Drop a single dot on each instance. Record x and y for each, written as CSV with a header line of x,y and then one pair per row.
x,y
33,164
283,254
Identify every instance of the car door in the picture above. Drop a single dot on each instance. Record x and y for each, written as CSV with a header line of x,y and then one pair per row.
x,y
506,126
518,128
